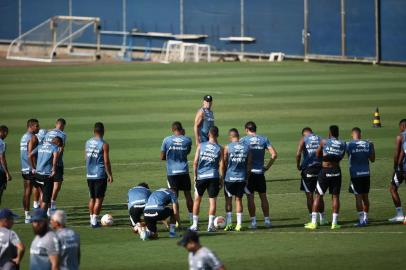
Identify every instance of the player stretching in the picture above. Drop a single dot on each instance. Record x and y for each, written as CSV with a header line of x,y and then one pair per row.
x,y
256,182
399,174
98,172
5,175
28,160
360,152
175,150
332,150
237,158
208,166
310,167
137,199
58,178
204,120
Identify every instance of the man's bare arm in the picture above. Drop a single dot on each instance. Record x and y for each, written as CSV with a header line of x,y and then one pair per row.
x,y
54,259
372,156
225,158
3,163
299,151
198,121
195,162
222,167
31,146
163,155
107,164
20,253
274,156
319,151
398,150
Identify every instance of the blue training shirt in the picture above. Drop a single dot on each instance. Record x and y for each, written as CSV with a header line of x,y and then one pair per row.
x,y
359,152
45,158
138,197
94,159
208,122
257,144
208,164
237,162
2,151
310,158
160,198
41,138
26,167
403,134
176,149
333,150
57,133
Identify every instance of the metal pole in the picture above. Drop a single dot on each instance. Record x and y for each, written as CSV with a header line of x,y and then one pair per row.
x,y
343,37
70,25
242,27
377,32
19,18
181,30
124,7
305,30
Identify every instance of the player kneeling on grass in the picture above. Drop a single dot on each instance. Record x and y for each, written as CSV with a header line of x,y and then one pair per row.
x,y
360,152
237,159
208,164
137,199
157,209
332,150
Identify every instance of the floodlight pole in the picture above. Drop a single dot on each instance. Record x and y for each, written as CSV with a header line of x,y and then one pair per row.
x,y
181,30
343,25
305,33
124,17
377,31
70,25
19,17
242,28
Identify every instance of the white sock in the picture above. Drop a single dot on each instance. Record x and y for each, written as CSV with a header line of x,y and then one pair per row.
x,y
191,217
399,211
195,220
335,218
211,220
95,219
49,212
253,220
172,228
27,214
365,216
239,218
314,217
35,204
361,216
91,219
267,220
228,218
322,216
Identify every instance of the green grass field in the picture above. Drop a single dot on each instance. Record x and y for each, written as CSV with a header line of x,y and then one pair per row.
x,y
138,102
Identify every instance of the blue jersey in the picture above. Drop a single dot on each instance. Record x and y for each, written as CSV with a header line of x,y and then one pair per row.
x,y
41,138
208,122
45,158
310,158
57,133
257,144
26,167
237,162
160,199
94,159
333,150
403,134
208,164
2,151
176,149
359,152
138,197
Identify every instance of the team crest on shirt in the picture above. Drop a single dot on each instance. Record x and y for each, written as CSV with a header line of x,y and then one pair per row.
x,y
361,143
239,147
178,140
254,140
210,147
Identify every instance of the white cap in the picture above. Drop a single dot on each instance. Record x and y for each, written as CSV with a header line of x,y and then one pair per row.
x,y
59,216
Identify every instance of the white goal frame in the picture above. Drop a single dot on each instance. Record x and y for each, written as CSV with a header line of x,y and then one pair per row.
x,y
178,51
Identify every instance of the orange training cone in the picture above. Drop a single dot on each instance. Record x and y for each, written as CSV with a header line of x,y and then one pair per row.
x,y
377,119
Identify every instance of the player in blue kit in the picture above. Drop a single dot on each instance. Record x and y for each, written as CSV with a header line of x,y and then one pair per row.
x,y
310,167
36,190
204,120
237,159
399,174
360,153
5,175
208,168
28,161
137,198
332,150
256,182
158,209
175,150
57,131
48,154
98,172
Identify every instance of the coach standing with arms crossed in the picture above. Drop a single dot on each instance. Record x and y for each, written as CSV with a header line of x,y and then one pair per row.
x,y
204,120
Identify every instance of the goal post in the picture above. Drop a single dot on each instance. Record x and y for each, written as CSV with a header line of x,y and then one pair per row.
x,y
56,39
178,51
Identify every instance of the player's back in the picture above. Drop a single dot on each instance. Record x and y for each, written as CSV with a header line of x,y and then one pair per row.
x,y
138,196
237,161
257,145
45,158
50,135
176,149
95,159
70,246
359,152
8,250
25,164
310,158
160,198
333,150
208,164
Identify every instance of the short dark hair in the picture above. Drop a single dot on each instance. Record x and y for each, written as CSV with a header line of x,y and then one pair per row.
x,y
334,131
402,122
356,129
99,128
3,128
214,131
177,126
234,132
31,122
143,184
62,121
251,126
306,129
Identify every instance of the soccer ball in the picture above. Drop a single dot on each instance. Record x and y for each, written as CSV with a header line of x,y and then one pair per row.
x,y
220,222
107,220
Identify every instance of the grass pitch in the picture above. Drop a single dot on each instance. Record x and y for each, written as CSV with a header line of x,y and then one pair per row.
x,y
138,102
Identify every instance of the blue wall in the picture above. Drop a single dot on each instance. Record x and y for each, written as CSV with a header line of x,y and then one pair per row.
x,y
275,24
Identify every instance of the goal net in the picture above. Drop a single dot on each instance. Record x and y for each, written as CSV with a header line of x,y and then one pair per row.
x,y
178,51
58,39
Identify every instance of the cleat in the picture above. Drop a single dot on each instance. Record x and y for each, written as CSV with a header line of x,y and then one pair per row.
x,y
252,226
238,228
193,228
268,224
324,222
396,219
27,220
335,226
229,228
310,226
360,224
97,225
211,229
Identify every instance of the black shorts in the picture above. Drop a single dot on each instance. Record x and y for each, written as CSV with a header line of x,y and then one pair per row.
x,y
236,189
309,179
97,188
46,183
135,214
360,185
212,185
28,176
179,182
398,178
152,216
256,182
58,174
329,178
3,183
